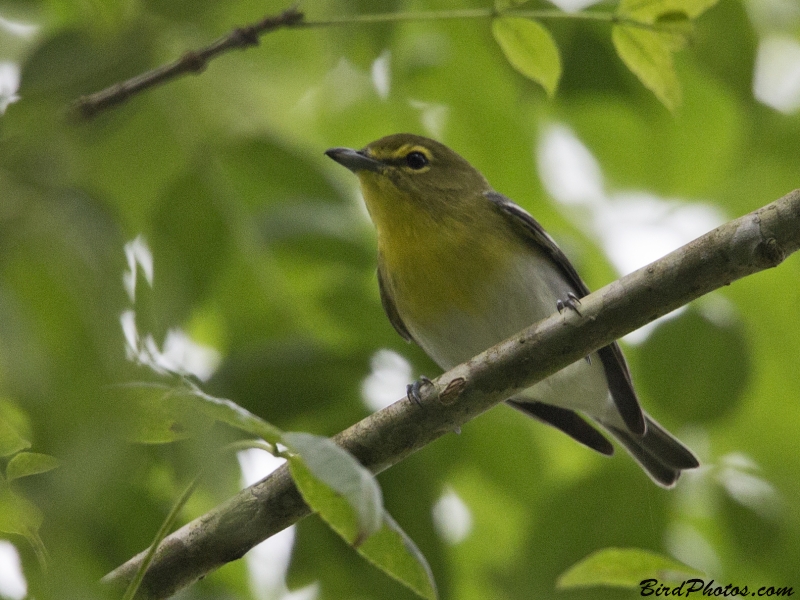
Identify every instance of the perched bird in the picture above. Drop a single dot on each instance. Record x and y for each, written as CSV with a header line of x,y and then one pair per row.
x,y
461,268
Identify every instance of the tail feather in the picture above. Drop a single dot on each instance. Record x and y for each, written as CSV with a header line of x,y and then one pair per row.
x,y
567,421
658,452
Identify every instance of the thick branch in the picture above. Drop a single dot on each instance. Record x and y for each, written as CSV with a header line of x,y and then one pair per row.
x,y
739,248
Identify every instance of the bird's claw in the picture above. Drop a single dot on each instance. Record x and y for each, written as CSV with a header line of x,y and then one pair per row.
x,y
412,390
572,302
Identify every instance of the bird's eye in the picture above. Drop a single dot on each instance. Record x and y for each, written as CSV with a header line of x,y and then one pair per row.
x,y
416,160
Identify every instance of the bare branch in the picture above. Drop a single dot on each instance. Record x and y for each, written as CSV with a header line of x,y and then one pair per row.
x,y
193,61
757,241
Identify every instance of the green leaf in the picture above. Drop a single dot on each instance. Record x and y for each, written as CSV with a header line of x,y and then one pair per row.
x,y
30,463
624,567
394,553
648,51
332,507
334,484
648,54
227,411
530,49
17,515
383,543
11,442
161,413
649,11
676,28
169,412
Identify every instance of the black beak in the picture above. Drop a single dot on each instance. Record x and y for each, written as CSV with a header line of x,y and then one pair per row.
x,y
354,160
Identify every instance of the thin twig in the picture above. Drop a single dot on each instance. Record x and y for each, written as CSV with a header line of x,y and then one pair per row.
x,y
162,532
193,61
475,13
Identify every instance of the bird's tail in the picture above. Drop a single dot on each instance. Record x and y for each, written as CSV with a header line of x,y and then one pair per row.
x,y
658,452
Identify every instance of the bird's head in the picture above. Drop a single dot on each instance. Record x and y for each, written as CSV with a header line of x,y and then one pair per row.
x,y
403,174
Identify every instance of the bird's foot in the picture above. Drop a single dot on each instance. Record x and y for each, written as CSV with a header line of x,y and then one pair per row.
x,y
412,390
572,302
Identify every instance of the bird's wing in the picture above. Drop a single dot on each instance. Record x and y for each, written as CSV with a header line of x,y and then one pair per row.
x,y
391,310
535,234
616,369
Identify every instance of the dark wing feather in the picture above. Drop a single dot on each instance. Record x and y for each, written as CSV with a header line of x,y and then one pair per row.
x,y
619,382
391,310
616,369
535,233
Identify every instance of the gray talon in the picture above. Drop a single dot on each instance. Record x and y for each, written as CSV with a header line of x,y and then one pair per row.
x,y
572,302
412,390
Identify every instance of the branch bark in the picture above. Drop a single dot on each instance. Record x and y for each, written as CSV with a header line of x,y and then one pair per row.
x,y
757,241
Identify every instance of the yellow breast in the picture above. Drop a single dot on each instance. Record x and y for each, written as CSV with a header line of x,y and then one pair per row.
x,y
434,262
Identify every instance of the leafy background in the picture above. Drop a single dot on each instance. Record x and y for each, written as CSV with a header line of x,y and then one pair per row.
x,y
262,252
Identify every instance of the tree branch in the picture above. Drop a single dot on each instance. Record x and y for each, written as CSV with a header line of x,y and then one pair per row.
x,y
193,61
757,241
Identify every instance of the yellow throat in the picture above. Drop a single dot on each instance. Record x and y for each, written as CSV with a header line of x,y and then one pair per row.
x,y
431,260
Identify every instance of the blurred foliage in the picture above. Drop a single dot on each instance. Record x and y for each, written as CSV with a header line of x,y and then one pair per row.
x,y
262,251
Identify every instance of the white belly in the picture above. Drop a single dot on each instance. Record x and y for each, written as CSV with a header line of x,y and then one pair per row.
x,y
526,294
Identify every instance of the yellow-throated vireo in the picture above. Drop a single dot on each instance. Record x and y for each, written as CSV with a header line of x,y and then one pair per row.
x,y
461,268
